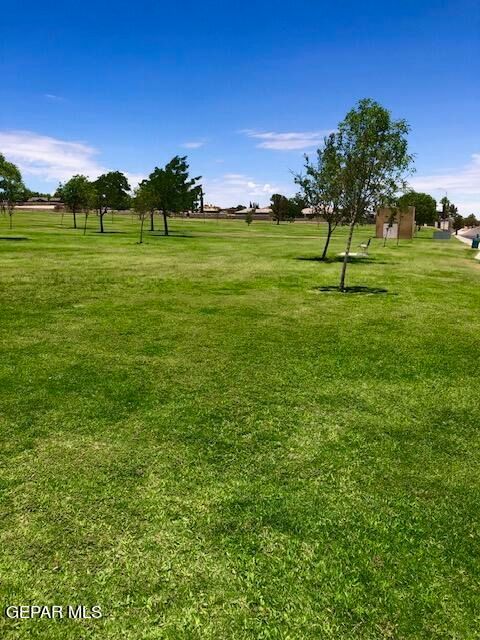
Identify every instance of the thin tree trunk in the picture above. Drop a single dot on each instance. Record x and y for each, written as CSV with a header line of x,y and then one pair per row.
x,y
101,222
63,213
11,223
327,241
141,230
347,253
85,224
165,223
152,226
74,219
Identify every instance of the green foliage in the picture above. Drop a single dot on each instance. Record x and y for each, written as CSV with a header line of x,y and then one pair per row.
x,y
279,206
425,206
12,189
112,191
77,194
371,150
172,188
322,188
143,203
249,217
458,221
471,221
295,206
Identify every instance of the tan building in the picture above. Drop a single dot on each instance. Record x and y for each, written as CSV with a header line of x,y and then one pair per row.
x,y
395,223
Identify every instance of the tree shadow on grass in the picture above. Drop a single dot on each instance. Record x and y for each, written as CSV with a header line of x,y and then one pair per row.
x,y
362,290
14,238
107,233
337,259
170,235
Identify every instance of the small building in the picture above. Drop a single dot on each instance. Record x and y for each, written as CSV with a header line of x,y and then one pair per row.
x,y
395,223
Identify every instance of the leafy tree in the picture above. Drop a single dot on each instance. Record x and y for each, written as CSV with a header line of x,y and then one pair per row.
x,y
111,193
471,221
172,189
279,207
75,194
142,203
458,222
295,206
373,154
249,216
12,188
321,186
425,206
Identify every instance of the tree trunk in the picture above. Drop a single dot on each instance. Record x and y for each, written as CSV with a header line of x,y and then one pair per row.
x,y
85,225
278,220
11,223
74,218
141,230
101,222
347,253
327,241
152,226
165,223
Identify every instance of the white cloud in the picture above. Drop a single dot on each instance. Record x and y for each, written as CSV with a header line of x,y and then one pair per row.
x,y
194,144
53,97
51,159
287,141
237,188
462,185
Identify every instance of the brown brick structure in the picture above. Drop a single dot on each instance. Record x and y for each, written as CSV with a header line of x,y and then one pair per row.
x,y
403,223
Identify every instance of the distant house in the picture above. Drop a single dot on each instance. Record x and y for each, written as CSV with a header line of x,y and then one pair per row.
x,y
256,210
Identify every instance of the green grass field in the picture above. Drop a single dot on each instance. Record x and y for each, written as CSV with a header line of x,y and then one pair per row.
x,y
198,440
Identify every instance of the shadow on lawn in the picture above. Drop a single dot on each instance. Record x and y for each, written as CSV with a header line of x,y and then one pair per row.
x,y
170,235
340,259
15,238
359,290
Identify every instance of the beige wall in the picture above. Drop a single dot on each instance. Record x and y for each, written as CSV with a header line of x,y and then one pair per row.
x,y
404,219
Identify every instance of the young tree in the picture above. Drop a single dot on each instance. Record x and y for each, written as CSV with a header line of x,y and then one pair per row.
x,y
111,193
374,160
321,187
279,207
249,216
90,203
425,207
75,194
142,204
172,189
12,188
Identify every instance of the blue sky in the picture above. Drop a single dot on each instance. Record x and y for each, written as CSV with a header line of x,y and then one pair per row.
x,y
244,89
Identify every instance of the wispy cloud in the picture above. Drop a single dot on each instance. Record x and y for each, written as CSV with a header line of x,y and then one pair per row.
x,y
462,185
237,188
194,144
52,159
290,141
53,97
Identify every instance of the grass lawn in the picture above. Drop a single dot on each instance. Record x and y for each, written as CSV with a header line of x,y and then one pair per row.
x,y
202,443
